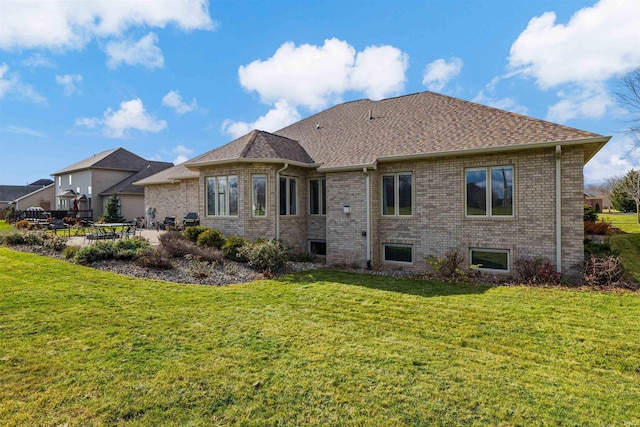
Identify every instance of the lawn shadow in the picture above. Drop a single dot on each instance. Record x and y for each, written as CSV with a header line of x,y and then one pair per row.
x,y
420,287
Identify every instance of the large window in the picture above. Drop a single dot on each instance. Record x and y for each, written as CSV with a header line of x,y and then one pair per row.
x,y
288,195
317,196
259,195
397,194
222,196
489,191
490,259
397,253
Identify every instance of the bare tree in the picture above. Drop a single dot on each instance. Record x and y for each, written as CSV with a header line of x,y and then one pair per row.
x,y
628,95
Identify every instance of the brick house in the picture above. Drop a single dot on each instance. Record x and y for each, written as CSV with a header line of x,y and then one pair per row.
x,y
90,182
387,183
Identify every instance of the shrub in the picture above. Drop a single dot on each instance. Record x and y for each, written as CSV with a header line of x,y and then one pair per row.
x,y
212,238
125,249
12,238
231,246
269,256
174,245
603,270
35,238
151,258
23,225
590,214
601,228
70,252
93,253
591,248
199,267
451,267
192,233
55,242
536,271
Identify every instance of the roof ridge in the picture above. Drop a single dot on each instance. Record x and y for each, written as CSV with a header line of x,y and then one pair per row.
x,y
249,144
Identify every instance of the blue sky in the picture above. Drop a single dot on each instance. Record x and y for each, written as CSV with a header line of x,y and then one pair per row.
x,y
169,80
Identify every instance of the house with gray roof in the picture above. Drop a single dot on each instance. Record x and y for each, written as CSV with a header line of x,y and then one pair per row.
x,y
387,183
90,183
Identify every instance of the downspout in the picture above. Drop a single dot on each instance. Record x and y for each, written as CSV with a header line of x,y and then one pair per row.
x,y
368,215
558,209
286,165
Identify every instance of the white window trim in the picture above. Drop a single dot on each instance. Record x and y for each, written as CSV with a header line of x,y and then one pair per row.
x,y
227,199
287,190
396,195
266,197
488,201
322,183
60,181
404,245
492,270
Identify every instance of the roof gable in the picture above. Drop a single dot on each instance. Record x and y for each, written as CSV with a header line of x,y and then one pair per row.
x,y
127,186
116,158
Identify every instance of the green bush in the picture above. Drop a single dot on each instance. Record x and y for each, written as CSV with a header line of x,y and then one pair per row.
x,y
70,252
35,238
192,233
268,256
590,214
212,238
151,258
12,238
231,246
125,249
55,242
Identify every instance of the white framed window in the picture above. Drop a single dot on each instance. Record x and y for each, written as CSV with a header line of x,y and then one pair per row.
x,y
70,179
89,190
259,195
288,189
222,195
395,252
397,194
497,260
318,247
59,181
489,192
318,196
77,190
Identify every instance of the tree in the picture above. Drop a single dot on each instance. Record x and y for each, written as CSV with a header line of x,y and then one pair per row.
x,y
112,210
628,95
626,193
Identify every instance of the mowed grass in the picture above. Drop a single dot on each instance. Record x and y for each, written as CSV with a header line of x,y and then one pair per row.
x,y
628,244
84,347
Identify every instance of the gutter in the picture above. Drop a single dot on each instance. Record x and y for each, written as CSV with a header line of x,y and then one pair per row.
x,y
277,202
558,208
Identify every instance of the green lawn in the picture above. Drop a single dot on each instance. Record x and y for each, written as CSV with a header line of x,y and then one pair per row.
x,y
84,347
627,244
4,225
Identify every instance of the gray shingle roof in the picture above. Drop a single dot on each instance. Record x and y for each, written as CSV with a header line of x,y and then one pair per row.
x,y
9,193
422,123
255,145
175,173
126,186
116,158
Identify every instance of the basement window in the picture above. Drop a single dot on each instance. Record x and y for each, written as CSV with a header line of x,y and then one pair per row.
x,y
490,259
398,253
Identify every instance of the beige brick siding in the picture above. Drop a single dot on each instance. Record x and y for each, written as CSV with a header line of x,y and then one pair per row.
x,y
176,199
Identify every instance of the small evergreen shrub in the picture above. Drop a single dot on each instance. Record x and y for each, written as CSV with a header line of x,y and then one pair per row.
x,y
536,271
124,249
590,214
212,238
151,258
591,248
192,233
268,256
231,246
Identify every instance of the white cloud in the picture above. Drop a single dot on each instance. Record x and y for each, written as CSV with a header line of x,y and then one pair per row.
x,y
438,73
173,99
182,154
315,76
487,97
37,60
597,43
278,117
615,159
130,52
118,124
23,131
68,82
587,100
379,71
63,24
11,86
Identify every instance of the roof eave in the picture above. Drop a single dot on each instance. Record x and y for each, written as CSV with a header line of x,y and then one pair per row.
x,y
170,180
199,165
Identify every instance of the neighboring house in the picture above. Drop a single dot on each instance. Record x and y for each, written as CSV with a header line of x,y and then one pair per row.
x,y
596,202
387,183
10,193
43,197
91,181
